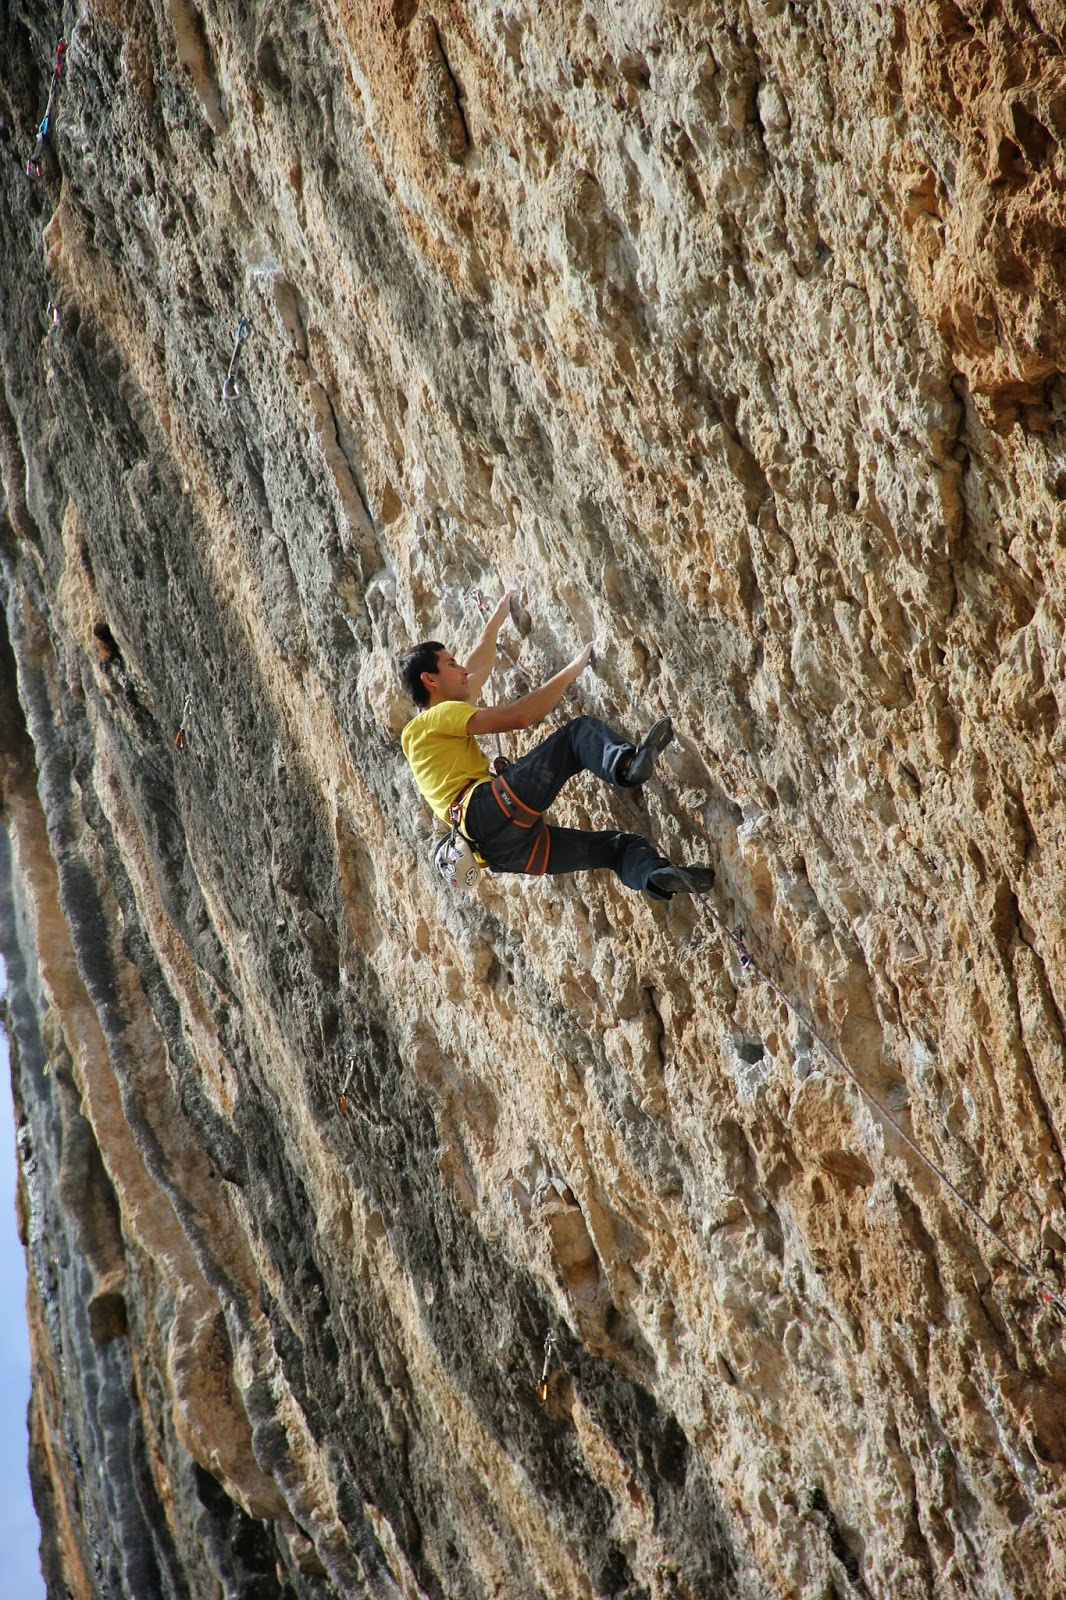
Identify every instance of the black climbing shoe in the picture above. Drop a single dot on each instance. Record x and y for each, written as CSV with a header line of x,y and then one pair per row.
x,y
682,880
652,745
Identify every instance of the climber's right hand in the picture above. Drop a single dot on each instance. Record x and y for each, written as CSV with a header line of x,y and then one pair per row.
x,y
579,663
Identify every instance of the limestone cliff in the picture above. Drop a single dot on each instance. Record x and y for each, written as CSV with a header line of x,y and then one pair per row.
x,y
734,332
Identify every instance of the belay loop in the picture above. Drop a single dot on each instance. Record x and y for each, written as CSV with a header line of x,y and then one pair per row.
x,y
33,165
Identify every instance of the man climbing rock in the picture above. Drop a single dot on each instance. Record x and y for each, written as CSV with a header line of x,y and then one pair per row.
x,y
502,815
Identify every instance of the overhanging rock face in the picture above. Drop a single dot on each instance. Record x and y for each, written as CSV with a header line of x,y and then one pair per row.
x,y
733,333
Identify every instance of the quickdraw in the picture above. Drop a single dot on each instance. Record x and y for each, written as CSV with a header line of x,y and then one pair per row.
x,y
551,1345
181,738
33,165
348,1105
347,1085
230,387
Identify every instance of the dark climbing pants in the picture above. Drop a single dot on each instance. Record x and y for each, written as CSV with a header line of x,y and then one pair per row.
x,y
584,745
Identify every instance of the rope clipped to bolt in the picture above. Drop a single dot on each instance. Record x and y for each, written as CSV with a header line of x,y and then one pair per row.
x,y
748,964
33,165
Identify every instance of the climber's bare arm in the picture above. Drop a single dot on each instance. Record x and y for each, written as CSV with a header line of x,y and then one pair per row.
x,y
481,660
532,707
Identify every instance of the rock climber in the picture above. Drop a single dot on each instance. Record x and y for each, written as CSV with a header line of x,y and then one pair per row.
x,y
501,815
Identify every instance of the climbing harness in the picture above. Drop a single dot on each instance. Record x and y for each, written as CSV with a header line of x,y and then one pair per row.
x,y
551,1346
33,165
455,856
230,387
523,816
181,738
749,964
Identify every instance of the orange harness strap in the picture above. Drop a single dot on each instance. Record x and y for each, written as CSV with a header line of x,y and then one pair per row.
x,y
537,865
523,816
514,809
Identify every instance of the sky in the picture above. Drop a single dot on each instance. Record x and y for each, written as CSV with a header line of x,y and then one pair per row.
x,y
19,1531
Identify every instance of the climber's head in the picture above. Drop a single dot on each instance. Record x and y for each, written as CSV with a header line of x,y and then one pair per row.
x,y
431,674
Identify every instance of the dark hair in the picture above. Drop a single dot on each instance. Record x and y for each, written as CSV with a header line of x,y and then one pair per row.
x,y
423,658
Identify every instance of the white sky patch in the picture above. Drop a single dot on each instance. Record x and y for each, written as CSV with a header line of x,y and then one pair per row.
x,y
19,1531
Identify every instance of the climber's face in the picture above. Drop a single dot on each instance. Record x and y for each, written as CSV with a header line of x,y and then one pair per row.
x,y
450,680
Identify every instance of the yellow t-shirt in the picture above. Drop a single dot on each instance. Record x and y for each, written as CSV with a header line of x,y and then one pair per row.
x,y
443,756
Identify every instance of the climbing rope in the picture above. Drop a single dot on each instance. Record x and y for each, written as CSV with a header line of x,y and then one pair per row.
x,y
230,387
33,165
749,964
